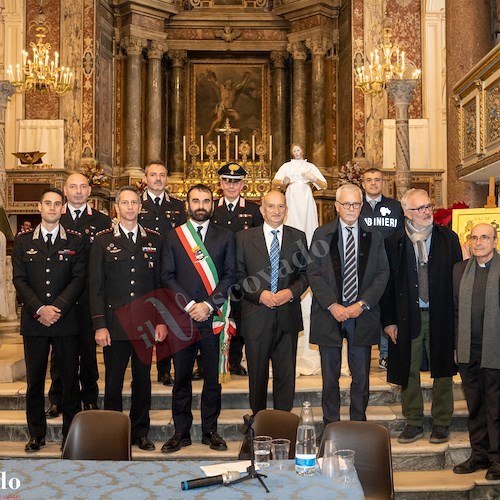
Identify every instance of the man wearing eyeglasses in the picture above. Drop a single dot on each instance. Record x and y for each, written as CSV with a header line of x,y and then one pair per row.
x,y
477,296
347,272
417,313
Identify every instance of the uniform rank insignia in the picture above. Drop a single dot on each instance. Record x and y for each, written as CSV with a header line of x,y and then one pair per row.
x,y
66,251
149,249
31,251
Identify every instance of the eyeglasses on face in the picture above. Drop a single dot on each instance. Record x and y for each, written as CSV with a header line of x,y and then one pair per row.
x,y
347,206
483,238
422,209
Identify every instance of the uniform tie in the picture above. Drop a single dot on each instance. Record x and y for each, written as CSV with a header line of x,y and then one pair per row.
x,y
157,201
131,236
77,215
230,207
274,257
350,271
49,241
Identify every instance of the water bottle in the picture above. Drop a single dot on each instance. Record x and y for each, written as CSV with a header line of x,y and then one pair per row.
x,y
305,449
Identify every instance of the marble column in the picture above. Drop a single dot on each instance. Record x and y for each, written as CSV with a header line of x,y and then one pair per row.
x,y
176,118
6,90
133,111
318,46
278,108
475,40
154,93
401,91
299,92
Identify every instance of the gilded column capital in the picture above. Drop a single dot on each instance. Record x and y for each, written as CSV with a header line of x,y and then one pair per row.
x,y
298,50
156,49
319,46
134,45
278,57
178,57
6,90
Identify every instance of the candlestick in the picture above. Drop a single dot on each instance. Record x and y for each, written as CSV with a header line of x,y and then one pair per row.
x,y
218,148
184,147
201,142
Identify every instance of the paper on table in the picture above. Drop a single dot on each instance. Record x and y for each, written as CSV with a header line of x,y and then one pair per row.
x,y
217,469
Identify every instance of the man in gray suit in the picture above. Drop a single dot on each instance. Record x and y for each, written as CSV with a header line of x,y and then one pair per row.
x,y
271,263
347,272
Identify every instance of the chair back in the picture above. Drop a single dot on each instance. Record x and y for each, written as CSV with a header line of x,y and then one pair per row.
x,y
372,446
98,435
274,423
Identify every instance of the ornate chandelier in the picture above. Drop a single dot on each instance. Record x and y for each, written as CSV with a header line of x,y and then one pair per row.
x,y
386,62
41,72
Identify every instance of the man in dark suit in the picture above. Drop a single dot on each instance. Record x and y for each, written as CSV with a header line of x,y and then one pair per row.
x,y
198,265
235,213
125,264
160,212
417,313
272,277
78,215
347,272
49,275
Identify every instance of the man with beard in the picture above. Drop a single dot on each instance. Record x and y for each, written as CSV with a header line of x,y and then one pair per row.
x,y
198,265
77,214
160,212
417,313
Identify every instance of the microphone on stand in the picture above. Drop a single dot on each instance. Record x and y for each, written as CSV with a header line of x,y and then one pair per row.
x,y
225,479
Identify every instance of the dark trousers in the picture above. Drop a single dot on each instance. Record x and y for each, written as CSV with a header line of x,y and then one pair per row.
x,y
182,394
116,358
359,364
281,349
482,391
36,355
237,341
89,373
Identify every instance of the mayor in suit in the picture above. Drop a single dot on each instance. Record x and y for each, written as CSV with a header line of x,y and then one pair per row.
x,y
271,272
78,215
198,265
49,271
235,213
347,272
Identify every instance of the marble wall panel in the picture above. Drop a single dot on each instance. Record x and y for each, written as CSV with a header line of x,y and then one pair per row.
x,y
358,48
150,23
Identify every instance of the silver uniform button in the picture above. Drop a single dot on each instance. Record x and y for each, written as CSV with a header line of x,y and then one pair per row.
x,y
132,294
132,270
132,282
47,282
48,294
47,270
48,258
133,257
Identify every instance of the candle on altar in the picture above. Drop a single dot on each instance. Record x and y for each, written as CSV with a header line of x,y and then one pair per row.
x,y
253,147
492,186
235,147
270,147
201,149
184,147
218,147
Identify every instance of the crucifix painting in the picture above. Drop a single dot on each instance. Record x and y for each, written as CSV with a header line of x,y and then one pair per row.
x,y
229,91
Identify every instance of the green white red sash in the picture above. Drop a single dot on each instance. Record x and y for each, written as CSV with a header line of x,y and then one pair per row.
x,y
222,324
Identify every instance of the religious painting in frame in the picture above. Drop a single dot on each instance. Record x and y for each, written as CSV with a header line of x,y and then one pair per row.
x,y
464,219
234,91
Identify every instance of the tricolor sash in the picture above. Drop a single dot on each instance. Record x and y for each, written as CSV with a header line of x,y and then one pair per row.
x,y
222,324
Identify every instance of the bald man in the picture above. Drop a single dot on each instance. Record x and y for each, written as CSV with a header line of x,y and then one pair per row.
x,y
271,316
78,215
476,294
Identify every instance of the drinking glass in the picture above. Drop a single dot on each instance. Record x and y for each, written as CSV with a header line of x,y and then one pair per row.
x,y
329,466
262,450
280,449
346,471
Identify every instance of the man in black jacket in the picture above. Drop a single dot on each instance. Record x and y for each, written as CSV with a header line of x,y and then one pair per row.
x,y
78,215
49,272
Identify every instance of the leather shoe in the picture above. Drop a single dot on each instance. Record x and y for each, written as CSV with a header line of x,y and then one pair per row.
x,y
214,441
471,465
143,443
440,434
176,442
238,370
34,444
90,406
493,473
167,379
411,433
53,412
197,374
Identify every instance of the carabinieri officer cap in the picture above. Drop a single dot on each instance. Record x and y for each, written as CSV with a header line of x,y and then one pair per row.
x,y
231,171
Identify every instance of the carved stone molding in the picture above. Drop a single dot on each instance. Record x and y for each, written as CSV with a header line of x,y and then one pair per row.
x,y
319,46
178,57
298,50
228,34
134,45
156,49
278,58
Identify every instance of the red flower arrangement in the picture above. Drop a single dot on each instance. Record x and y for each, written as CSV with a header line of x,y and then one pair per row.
x,y
443,215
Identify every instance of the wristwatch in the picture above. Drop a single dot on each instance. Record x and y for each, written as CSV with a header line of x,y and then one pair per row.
x,y
364,305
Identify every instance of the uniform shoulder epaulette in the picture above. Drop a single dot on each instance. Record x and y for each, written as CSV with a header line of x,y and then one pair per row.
x,y
72,231
104,231
25,231
152,231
